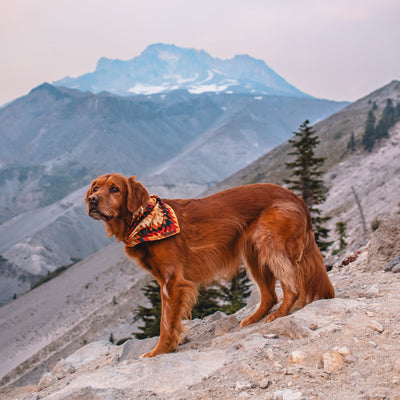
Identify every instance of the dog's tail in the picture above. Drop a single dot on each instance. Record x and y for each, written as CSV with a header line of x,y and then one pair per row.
x,y
316,282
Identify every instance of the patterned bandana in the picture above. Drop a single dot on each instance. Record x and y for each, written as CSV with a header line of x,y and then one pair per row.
x,y
154,221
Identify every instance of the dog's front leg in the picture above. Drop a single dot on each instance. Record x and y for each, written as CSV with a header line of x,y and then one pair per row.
x,y
177,298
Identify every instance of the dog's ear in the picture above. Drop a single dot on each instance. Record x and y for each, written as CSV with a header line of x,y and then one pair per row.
x,y
137,195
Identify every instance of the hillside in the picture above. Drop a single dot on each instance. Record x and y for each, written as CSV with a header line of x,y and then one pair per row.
x,y
374,175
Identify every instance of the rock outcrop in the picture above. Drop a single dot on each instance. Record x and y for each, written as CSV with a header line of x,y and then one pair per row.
x,y
343,348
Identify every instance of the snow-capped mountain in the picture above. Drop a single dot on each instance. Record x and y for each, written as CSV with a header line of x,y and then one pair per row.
x,y
162,68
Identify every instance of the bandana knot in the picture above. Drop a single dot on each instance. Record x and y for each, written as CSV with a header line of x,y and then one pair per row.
x,y
154,221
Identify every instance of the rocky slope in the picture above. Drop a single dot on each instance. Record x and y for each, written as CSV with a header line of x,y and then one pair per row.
x,y
345,347
374,176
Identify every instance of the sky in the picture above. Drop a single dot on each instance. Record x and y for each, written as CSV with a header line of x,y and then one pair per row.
x,y
332,49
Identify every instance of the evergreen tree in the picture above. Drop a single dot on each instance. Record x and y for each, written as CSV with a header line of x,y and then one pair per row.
x,y
306,172
368,139
151,316
352,143
207,302
387,120
340,229
237,292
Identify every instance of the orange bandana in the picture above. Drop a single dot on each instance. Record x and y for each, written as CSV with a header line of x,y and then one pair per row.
x,y
154,221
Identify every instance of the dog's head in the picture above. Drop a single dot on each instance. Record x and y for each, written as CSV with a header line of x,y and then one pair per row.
x,y
113,196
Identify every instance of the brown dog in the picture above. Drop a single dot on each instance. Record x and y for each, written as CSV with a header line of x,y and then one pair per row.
x,y
184,243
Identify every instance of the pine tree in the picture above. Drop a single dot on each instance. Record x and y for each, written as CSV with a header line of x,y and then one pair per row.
x,y
237,292
387,120
151,316
352,143
207,302
368,139
306,172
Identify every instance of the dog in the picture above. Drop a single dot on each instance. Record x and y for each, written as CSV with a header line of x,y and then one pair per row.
x,y
186,243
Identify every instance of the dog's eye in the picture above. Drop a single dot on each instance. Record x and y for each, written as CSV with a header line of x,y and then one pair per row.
x,y
114,190
95,189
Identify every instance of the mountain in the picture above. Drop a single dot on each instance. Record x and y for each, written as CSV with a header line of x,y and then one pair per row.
x,y
162,68
374,176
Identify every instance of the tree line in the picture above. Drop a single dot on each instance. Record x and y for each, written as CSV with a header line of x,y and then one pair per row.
x,y
376,131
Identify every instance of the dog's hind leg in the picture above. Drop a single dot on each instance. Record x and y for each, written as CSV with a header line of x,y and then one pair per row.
x,y
266,285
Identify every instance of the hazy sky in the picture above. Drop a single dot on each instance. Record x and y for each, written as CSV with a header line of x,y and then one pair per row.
x,y
335,49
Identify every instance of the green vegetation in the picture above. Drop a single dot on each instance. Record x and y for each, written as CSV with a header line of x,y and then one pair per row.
x,y
228,299
341,228
373,131
306,182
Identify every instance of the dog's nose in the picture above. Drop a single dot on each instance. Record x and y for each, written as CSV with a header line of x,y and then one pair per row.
x,y
93,199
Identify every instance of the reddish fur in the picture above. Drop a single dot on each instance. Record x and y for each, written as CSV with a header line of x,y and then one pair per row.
x,y
265,225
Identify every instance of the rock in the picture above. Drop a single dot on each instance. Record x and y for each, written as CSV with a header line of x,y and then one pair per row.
x,y
225,325
240,386
287,394
264,383
286,326
385,243
393,265
343,351
134,348
376,326
297,356
46,380
93,355
332,361
396,367
62,369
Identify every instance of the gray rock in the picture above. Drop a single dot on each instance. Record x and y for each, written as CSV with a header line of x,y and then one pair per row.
x,y
393,265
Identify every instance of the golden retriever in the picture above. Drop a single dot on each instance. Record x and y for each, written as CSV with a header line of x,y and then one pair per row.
x,y
265,225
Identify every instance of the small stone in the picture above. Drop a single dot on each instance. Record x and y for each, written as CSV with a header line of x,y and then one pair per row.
x,y
270,354
271,336
376,326
287,394
62,369
372,343
349,359
393,265
46,380
264,383
343,351
240,386
313,327
224,325
332,361
297,356
396,367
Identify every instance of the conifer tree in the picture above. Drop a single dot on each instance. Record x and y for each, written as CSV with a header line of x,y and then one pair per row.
x,y
151,316
306,173
207,302
368,139
387,120
352,143
237,292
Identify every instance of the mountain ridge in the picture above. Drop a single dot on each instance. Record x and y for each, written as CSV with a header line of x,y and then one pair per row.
x,y
162,68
